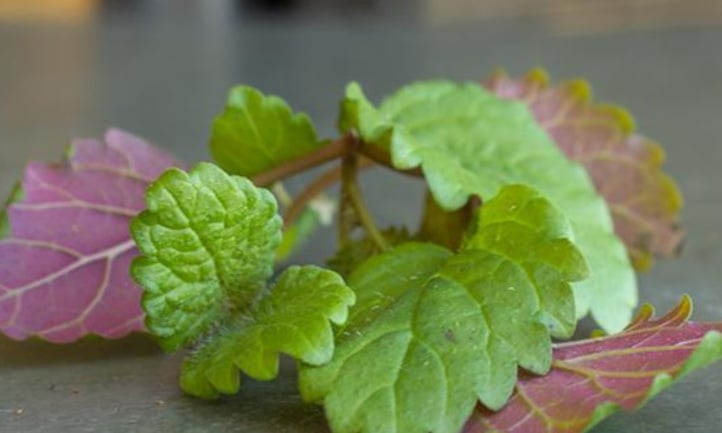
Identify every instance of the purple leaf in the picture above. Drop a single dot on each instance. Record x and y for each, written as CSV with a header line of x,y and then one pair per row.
x,y
64,261
590,379
626,167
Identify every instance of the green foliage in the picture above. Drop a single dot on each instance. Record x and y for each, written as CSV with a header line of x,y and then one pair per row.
x,y
256,132
208,242
517,245
469,142
291,318
434,332
625,166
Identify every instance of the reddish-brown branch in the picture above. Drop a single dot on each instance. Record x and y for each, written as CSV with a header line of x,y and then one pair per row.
x,y
313,189
382,157
333,150
316,187
352,198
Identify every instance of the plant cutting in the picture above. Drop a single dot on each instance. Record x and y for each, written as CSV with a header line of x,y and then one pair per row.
x,y
540,206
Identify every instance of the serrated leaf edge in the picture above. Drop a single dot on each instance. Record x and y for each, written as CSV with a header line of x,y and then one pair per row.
x,y
707,351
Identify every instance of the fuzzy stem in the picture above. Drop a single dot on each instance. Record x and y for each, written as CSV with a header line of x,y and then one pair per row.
x,y
333,150
352,197
315,188
382,157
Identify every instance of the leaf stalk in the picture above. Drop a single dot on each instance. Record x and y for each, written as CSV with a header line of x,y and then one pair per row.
x,y
351,196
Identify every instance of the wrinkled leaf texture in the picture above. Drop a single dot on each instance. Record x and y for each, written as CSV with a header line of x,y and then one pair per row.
x,y
294,317
208,242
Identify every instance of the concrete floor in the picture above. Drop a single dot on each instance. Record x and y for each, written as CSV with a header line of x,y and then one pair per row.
x,y
163,75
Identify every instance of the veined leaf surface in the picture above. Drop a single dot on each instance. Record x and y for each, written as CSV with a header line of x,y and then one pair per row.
x,y
591,379
626,167
294,318
433,332
65,258
256,132
208,241
470,142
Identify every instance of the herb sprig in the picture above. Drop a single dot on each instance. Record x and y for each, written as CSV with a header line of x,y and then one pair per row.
x,y
447,328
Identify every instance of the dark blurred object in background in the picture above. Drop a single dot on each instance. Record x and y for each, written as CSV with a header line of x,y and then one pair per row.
x,y
584,16
560,16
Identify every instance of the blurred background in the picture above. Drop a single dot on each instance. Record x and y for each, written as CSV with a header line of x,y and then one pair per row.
x,y
161,69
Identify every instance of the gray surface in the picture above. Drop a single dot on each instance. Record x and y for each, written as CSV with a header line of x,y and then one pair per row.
x,y
165,76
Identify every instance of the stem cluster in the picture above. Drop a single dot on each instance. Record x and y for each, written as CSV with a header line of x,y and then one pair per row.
x,y
353,155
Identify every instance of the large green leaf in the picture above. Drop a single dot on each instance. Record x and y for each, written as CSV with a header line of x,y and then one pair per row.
x,y
293,318
256,132
434,332
625,166
469,142
208,242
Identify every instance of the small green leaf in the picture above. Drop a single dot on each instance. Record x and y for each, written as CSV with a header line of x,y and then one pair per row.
x,y
434,332
208,242
256,132
293,318
469,142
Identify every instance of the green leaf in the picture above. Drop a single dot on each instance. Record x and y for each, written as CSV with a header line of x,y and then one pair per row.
x,y
522,225
469,142
208,242
292,318
433,332
625,166
256,132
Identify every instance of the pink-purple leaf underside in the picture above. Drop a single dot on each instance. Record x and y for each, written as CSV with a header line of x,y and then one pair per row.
x,y
625,167
590,379
65,258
